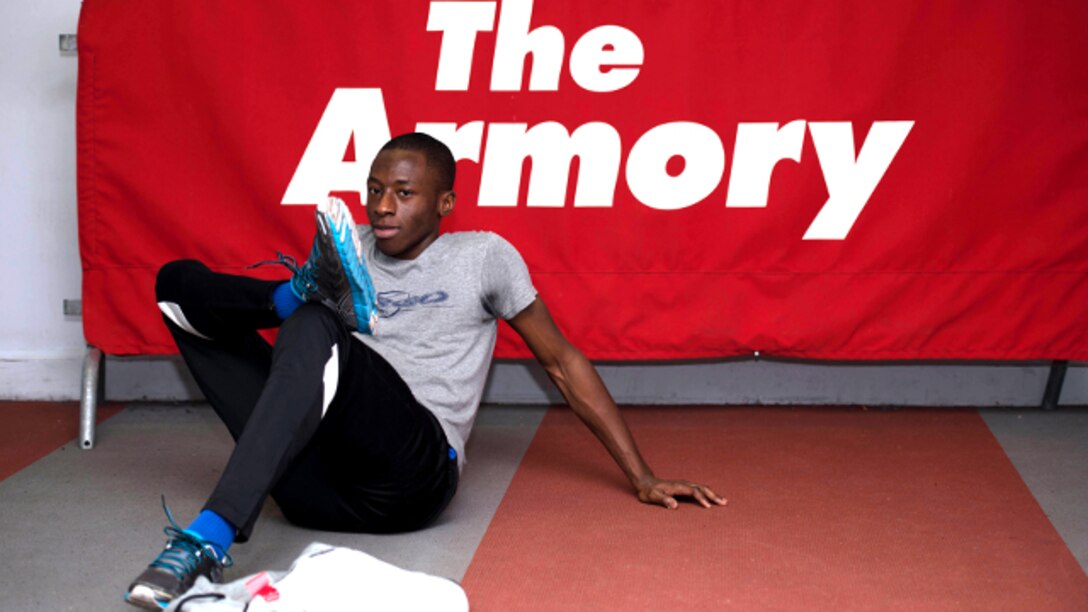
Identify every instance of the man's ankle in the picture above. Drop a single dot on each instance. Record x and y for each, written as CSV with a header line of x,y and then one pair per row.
x,y
285,301
214,529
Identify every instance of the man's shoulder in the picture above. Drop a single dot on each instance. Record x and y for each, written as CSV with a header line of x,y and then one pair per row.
x,y
476,239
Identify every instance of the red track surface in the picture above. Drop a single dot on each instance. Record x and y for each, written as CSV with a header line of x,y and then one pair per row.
x,y
829,509
32,430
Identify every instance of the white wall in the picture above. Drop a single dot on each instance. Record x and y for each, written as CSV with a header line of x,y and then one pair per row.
x,y
41,349
38,241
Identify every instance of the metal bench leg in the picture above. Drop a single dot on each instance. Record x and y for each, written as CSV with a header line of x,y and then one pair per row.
x,y
93,390
1054,384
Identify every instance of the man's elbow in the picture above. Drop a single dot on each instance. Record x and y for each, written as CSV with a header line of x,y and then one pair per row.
x,y
565,364
556,373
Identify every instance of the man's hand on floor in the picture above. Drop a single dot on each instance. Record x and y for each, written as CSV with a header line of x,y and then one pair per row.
x,y
665,492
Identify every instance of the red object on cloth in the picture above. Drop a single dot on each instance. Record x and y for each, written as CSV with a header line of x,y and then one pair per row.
x,y
194,117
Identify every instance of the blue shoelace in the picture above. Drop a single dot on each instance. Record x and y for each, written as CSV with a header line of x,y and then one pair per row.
x,y
184,550
303,274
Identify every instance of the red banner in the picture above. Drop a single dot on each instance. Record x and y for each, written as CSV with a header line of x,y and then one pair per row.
x,y
841,180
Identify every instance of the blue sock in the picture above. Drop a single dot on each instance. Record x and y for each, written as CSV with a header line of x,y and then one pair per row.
x,y
285,300
213,528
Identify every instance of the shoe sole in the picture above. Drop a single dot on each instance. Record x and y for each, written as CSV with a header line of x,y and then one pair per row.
x,y
144,597
336,222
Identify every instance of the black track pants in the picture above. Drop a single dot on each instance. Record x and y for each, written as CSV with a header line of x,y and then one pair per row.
x,y
321,421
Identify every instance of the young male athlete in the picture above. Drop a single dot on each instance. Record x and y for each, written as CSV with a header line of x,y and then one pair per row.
x,y
357,418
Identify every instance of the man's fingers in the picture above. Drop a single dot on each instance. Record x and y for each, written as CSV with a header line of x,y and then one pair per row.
x,y
665,499
712,496
704,495
699,496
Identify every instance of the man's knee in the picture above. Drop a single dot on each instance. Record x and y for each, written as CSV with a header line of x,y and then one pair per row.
x,y
310,315
174,276
312,332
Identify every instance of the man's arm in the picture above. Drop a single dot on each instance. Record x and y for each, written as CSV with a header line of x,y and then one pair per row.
x,y
578,381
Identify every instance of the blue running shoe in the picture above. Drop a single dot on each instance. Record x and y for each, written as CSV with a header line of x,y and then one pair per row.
x,y
174,571
335,274
335,226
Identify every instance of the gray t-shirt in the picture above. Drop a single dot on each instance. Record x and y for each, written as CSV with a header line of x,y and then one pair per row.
x,y
439,318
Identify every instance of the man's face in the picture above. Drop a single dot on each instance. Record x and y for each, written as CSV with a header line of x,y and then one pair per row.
x,y
405,203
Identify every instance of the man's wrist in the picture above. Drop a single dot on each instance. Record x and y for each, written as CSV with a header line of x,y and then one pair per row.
x,y
644,481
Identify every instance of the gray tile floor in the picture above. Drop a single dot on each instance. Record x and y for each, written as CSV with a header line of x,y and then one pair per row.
x,y
1050,450
78,525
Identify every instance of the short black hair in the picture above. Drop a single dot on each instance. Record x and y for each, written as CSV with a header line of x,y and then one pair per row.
x,y
438,155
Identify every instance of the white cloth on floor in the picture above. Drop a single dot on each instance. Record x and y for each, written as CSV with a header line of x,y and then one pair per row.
x,y
327,578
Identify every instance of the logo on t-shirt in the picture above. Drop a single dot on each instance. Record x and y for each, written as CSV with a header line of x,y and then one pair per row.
x,y
392,303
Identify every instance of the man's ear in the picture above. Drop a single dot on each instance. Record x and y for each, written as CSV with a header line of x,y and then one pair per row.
x,y
446,202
